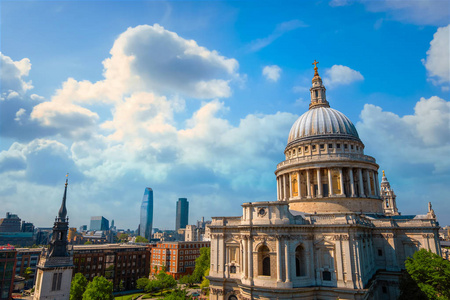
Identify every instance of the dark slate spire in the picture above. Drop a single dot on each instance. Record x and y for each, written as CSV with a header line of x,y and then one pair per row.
x,y
58,244
63,211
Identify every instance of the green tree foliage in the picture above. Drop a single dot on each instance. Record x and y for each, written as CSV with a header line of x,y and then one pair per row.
x,y
202,263
141,239
141,283
188,280
99,289
88,243
166,280
205,282
123,237
27,273
409,290
78,286
153,286
431,273
121,286
177,294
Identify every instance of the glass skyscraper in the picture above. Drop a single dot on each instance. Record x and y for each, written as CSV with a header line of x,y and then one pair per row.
x,y
99,223
145,227
182,213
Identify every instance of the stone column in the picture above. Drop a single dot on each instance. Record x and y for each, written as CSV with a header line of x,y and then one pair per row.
x,y
278,188
361,183
341,181
369,189
291,194
227,262
330,183
298,185
287,260
250,259
279,259
244,258
319,184
352,182
286,191
377,185
308,185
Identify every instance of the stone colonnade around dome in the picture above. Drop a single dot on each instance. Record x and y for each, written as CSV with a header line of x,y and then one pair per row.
x,y
334,182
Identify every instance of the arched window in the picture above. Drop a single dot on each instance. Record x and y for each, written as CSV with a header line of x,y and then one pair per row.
x,y
233,269
300,266
232,297
264,260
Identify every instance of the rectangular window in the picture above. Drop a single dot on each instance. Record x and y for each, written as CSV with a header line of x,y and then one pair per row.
x,y
314,147
306,148
338,146
58,286
330,146
351,147
380,252
54,281
322,146
345,146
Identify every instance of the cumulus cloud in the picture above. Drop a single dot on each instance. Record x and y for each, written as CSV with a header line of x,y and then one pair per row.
x,y
280,30
341,75
416,139
437,62
272,73
12,76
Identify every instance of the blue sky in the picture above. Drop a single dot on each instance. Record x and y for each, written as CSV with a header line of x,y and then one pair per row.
x,y
196,99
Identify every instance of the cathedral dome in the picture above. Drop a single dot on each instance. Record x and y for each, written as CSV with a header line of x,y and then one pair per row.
x,y
322,122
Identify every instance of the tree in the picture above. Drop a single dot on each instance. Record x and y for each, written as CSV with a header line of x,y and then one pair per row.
x,y
140,239
123,237
88,243
121,286
78,286
431,273
409,290
188,280
99,289
205,282
153,286
27,273
141,283
166,280
177,294
202,263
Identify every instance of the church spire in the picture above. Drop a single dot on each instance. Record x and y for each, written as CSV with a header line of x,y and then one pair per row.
x,y
63,211
318,95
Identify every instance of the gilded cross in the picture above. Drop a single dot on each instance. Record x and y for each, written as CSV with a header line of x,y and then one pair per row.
x,y
315,63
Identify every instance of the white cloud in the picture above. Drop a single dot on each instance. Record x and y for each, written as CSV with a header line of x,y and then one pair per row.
x,y
20,113
12,73
422,138
280,29
437,62
272,72
341,75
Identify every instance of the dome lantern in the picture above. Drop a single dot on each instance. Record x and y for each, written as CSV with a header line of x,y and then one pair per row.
x,y
318,91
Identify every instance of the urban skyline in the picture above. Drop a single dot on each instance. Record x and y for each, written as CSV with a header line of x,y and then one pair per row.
x,y
195,100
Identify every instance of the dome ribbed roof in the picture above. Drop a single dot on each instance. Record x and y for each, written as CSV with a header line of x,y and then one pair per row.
x,y
322,121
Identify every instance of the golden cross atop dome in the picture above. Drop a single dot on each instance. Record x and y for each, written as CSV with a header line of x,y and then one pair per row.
x,y
315,68
383,174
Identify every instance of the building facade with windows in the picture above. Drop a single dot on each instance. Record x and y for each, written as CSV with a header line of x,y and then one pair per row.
x,y
27,258
177,258
116,262
182,215
99,223
333,233
7,271
146,224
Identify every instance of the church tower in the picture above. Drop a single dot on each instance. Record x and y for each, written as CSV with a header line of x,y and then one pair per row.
x,y
388,196
54,271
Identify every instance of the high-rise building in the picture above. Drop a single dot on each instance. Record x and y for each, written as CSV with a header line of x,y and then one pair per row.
x,y
99,223
54,270
145,227
10,224
182,213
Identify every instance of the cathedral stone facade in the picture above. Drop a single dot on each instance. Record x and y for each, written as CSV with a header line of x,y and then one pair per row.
x,y
334,232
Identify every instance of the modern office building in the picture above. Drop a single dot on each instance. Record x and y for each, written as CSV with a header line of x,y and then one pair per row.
x,y
27,258
7,270
10,224
99,223
182,213
145,226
